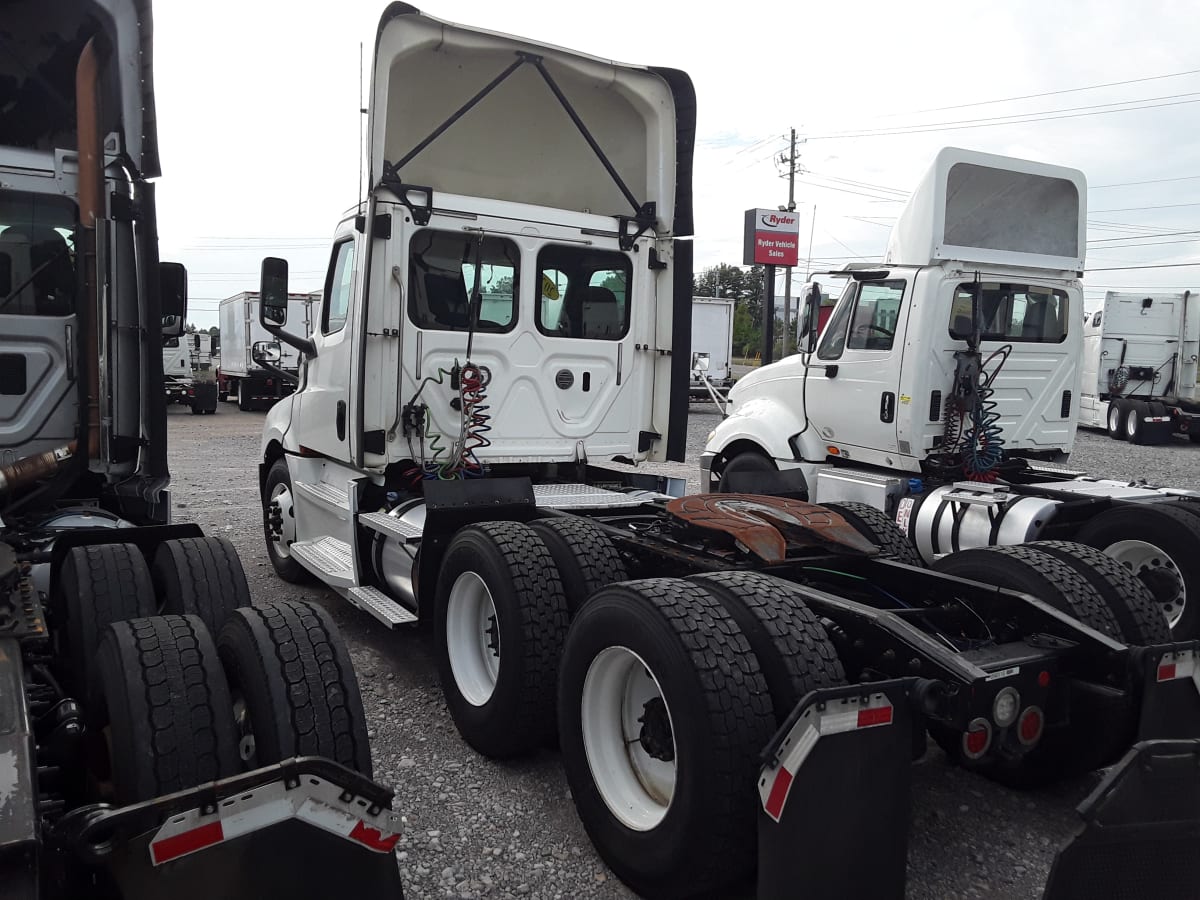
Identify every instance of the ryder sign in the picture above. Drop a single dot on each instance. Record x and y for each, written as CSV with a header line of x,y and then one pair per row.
x,y
772,238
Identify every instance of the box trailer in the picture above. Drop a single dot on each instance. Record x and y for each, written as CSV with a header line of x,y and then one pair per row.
x,y
1140,367
712,346
243,379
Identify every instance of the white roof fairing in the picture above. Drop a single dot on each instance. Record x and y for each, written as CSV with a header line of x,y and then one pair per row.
x,y
982,208
518,143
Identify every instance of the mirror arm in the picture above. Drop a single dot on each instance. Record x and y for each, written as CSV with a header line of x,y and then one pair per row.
x,y
275,370
304,345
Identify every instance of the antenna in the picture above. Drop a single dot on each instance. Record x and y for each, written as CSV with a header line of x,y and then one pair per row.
x,y
361,110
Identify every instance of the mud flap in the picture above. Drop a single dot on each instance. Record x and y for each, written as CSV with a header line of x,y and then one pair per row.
x,y
305,829
1141,833
1170,692
837,778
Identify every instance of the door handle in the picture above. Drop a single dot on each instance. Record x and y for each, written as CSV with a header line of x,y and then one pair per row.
x,y
831,371
340,420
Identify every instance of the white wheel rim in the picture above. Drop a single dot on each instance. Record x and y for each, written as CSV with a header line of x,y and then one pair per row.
x,y
1131,423
1158,571
621,700
282,497
473,638
1114,419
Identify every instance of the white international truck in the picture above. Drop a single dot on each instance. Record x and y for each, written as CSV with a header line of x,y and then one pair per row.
x,y
712,347
945,387
151,742
258,381
510,309
1140,355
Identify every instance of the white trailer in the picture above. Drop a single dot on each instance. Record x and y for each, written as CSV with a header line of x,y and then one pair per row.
x,y
240,377
1139,366
712,345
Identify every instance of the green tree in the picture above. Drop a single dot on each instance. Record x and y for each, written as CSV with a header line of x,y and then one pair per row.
x,y
743,286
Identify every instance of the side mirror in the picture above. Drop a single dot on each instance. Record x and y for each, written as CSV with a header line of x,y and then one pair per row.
x,y
196,341
700,362
172,288
265,351
214,343
807,330
273,291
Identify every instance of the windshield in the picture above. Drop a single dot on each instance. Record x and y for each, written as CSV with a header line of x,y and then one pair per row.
x,y
1011,312
37,255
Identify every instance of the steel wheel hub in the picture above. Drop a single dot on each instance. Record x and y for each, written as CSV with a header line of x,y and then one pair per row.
x,y
281,520
1158,571
473,638
629,738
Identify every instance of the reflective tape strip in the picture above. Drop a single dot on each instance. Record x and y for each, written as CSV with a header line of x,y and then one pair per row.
x,y
838,717
314,801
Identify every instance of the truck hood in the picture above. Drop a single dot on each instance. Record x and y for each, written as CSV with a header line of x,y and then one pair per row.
x,y
39,49
748,385
519,142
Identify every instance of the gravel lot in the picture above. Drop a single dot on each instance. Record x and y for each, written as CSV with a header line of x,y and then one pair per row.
x,y
476,828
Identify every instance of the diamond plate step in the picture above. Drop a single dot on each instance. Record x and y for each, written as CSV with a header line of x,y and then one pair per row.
x,y
327,557
382,522
325,493
583,496
381,606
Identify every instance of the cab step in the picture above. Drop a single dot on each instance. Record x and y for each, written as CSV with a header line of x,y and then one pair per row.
x,y
381,606
402,531
324,493
328,558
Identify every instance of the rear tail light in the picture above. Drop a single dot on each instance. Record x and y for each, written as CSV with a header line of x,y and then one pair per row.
x,y
1030,726
977,739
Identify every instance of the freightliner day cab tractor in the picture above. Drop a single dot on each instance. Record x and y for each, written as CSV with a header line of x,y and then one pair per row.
x,y
1141,367
945,387
153,740
737,682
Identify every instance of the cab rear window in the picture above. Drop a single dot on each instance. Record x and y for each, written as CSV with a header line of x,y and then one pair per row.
x,y
1011,312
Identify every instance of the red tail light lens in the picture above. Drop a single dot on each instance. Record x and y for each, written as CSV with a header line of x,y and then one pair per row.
x,y
977,739
1030,726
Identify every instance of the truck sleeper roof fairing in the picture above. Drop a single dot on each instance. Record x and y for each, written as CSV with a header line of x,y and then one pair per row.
x,y
981,208
518,141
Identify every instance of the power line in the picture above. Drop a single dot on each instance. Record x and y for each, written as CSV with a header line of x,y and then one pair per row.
x,y
1137,208
1097,187
1159,266
1137,237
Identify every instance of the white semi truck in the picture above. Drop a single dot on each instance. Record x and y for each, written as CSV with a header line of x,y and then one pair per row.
x,y
1140,354
257,380
510,309
945,387
188,371
712,347
153,741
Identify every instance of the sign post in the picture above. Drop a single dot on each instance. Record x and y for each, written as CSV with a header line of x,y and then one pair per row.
x,y
771,238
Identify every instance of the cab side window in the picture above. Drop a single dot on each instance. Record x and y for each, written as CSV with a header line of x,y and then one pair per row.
x,y
833,338
338,287
876,312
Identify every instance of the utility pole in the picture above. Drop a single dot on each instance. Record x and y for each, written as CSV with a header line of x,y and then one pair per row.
x,y
790,160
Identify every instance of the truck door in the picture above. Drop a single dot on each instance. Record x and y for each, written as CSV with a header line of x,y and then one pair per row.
x,y
854,376
322,421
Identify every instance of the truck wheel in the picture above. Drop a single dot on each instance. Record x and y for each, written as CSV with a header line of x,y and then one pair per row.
x,y
196,410
163,706
1035,572
500,621
1131,602
586,559
791,647
663,711
1161,546
98,585
1135,425
293,686
743,466
243,401
279,524
1116,420
878,528
200,577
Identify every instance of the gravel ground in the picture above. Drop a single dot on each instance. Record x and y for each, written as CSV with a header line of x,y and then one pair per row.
x,y
477,828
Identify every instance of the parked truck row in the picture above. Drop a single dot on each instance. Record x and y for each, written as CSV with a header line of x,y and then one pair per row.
x,y
738,680
256,380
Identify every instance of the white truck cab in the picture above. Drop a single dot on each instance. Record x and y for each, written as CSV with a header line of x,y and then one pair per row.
x,y
944,388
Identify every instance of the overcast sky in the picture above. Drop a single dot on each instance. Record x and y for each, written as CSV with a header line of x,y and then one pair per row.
x,y
259,125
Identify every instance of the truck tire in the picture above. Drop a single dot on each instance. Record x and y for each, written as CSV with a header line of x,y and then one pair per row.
x,y
1084,744
279,505
1159,544
202,577
1035,572
747,463
163,699
500,621
1116,420
586,558
294,689
196,410
792,649
98,585
1135,424
878,528
243,401
1131,602
663,711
